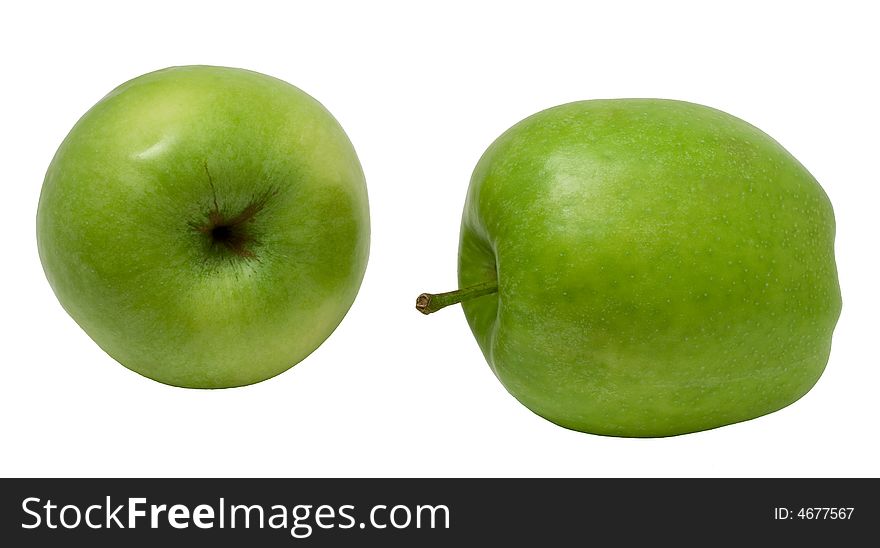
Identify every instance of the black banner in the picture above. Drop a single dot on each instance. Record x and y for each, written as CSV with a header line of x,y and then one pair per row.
x,y
434,512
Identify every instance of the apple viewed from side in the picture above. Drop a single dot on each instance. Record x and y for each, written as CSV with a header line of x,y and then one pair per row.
x,y
644,267
208,227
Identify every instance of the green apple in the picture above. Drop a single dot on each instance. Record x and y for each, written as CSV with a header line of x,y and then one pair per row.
x,y
642,268
208,227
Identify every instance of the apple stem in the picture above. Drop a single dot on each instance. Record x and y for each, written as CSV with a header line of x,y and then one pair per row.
x,y
428,303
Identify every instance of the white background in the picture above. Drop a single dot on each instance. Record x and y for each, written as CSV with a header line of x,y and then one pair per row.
x,y
421,91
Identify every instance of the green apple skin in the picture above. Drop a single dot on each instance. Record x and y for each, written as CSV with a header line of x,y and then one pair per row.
x,y
208,227
662,267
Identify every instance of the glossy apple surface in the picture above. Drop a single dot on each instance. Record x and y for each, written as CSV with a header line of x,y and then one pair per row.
x,y
208,227
661,267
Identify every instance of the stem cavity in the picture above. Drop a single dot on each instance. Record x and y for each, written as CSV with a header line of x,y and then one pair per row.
x,y
232,233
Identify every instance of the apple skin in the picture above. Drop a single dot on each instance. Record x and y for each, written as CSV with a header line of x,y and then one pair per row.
x,y
127,237
662,267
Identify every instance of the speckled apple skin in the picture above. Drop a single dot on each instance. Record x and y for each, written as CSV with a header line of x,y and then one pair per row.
x,y
663,267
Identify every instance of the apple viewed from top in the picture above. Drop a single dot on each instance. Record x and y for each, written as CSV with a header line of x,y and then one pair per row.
x,y
208,227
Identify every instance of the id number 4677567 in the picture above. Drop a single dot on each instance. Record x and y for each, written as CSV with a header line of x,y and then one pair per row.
x,y
812,513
